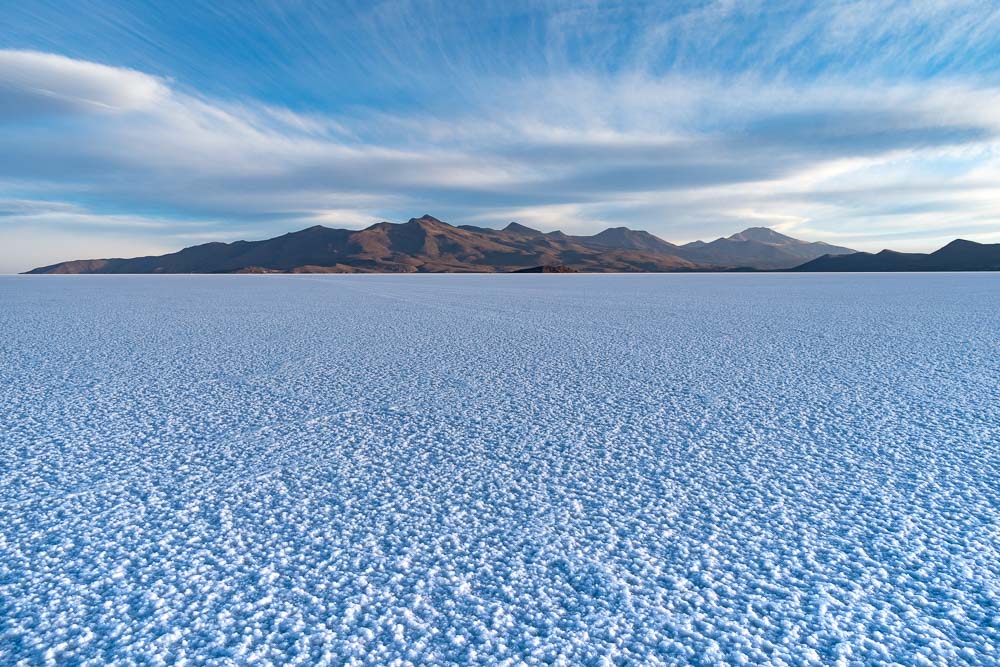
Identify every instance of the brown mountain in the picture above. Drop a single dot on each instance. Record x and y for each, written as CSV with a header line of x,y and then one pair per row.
x,y
959,255
624,238
428,245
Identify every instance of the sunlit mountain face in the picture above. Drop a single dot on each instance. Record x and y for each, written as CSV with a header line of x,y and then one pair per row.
x,y
429,245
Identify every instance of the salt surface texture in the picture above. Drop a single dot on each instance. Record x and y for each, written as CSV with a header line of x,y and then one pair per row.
x,y
782,469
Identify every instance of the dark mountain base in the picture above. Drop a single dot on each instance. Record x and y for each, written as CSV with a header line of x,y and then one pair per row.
x,y
548,269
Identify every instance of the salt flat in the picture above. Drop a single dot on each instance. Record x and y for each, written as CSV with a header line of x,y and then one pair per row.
x,y
437,469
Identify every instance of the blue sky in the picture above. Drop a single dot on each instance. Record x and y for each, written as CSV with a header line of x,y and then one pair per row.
x,y
140,127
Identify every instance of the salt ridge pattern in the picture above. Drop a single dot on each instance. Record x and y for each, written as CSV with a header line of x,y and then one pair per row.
x,y
564,469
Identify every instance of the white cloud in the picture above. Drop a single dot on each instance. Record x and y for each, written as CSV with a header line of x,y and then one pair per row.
x,y
683,157
33,83
569,218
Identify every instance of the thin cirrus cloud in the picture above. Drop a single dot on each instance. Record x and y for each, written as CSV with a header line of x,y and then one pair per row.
x,y
141,160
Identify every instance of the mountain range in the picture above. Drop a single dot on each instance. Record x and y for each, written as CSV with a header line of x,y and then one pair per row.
x,y
427,244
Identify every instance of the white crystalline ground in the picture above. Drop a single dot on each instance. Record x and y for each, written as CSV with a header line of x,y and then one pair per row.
x,y
703,469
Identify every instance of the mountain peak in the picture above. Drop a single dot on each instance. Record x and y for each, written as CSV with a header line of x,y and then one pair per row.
x,y
980,254
517,228
313,233
959,243
427,218
763,235
627,239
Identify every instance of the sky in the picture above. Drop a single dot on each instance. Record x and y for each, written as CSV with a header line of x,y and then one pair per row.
x,y
133,127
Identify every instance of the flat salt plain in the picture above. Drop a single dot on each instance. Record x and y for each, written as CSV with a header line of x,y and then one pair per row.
x,y
624,469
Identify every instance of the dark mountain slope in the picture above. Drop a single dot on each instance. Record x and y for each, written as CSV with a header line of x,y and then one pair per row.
x,y
959,255
969,255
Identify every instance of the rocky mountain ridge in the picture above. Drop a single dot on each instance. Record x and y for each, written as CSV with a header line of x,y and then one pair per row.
x,y
427,244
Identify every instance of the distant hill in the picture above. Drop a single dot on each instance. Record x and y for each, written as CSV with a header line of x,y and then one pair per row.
x,y
959,255
623,238
758,248
427,244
